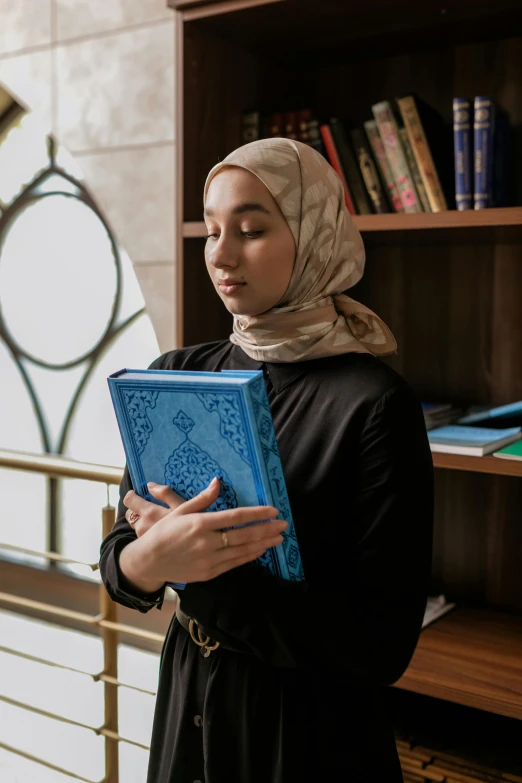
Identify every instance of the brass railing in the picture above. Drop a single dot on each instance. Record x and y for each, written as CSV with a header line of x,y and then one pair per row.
x,y
106,620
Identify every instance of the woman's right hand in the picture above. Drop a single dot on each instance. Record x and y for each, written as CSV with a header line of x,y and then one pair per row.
x,y
186,544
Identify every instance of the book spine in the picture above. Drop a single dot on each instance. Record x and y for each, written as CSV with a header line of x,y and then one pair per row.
x,y
336,165
412,163
463,155
389,133
422,154
483,151
350,168
379,152
290,125
250,126
284,561
274,126
369,172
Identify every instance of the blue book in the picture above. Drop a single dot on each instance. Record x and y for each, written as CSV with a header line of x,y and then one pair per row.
x,y
483,128
183,428
471,441
463,147
501,416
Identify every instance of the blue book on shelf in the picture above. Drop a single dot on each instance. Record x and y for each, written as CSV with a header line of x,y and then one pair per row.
x,y
183,428
463,147
483,128
471,441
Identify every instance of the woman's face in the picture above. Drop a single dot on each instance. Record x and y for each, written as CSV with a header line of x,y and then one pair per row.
x,y
250,249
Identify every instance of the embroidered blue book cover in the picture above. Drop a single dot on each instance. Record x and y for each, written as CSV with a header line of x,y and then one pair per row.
x,y
183,428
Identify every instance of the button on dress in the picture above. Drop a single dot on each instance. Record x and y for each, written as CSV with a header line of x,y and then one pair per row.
x,y
297,690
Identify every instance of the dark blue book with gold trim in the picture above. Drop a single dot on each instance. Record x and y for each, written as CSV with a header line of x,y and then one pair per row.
x,y
184,428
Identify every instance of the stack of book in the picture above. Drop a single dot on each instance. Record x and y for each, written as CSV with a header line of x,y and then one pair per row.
x,y
406,158
480,432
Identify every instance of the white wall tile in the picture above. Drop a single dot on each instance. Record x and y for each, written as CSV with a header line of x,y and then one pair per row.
x,y
135,188
117,89
28,78
157,284
87,17
24,23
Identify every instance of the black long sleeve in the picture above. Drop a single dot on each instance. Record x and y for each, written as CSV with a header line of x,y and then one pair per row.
x,y
367,628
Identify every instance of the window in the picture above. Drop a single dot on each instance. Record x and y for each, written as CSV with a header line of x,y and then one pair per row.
x,y
71,313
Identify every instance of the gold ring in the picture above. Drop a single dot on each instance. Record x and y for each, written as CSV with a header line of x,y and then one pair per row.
x,y
224,538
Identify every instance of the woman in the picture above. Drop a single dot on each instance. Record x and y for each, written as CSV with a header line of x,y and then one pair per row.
x,y
290,684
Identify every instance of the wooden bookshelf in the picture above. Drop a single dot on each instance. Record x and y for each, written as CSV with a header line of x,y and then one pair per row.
x,y
470,657
448,283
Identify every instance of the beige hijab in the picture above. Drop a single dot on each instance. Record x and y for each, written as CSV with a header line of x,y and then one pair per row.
x,y
314,318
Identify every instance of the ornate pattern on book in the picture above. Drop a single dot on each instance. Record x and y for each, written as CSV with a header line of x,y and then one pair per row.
x,y
231,427
137,402
273,467
189,469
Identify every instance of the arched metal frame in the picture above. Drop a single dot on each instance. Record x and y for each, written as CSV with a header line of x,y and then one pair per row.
x,y
24,200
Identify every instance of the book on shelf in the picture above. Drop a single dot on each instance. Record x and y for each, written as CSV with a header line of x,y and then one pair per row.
x,y
439,414
250,126
463,153
389,133
369,171
290,125
379,153
513,451
436,606
483,121
499,416
471,441
183,428
335,161
415,171
273,125
430,142
308,130
351,169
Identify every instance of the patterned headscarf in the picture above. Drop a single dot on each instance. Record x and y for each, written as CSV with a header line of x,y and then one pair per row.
x,y
314,318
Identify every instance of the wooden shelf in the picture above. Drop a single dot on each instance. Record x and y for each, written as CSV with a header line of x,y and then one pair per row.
x,y
471,657
500,467
424,221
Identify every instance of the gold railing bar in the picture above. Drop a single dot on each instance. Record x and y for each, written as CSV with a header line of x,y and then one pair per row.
x,y
114,736
94,676
46,714
114,681
131,630
30,757
49,556
59,467
110,639
28,603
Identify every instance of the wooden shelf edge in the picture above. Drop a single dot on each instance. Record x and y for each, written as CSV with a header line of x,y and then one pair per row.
x,y
492,465
470,657
483,218
424,221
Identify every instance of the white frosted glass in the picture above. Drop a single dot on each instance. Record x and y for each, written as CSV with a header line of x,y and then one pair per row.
x,y
34,683
55,390
57,279
94,437
94,434
71,747
22,521
23,155
131,297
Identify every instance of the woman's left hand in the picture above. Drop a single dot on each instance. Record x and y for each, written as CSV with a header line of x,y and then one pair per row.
x,y
141,514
